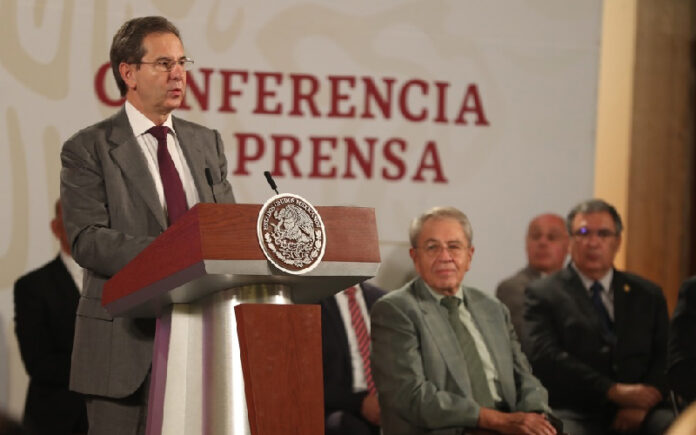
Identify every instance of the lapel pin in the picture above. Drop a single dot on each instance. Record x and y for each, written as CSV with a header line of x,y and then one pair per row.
x,y
627,288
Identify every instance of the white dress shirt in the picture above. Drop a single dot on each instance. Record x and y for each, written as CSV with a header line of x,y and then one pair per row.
x,y
74,269
607,294
148,144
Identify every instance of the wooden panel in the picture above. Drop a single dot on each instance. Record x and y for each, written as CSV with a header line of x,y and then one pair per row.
x,y
658,219
280,347
164,259
228,232
351,234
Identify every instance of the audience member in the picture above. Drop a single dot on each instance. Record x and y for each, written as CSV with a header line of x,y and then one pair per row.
x,y
445,357
682,344
598,336
547,247
350,398
45,302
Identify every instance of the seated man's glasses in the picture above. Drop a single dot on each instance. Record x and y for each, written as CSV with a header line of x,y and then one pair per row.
x,y
585,233
434,250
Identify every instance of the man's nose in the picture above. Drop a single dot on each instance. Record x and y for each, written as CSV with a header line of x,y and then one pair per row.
x,y
593,238
177,72
444,254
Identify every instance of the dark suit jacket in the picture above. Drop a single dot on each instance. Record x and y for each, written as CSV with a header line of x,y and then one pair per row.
x,y
420,371
45,303
338,371
111,212
511,292
682,342
570,353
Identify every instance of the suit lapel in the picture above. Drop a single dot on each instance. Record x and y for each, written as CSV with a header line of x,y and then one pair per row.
x,y
129,157
622,301
370,296
195,158
443,335
531,273
489,326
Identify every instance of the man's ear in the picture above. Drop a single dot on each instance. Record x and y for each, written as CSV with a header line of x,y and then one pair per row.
x,y
55,227
127,71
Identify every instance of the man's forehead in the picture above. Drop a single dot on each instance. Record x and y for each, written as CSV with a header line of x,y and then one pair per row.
x,y
161,42
548,222
594,219
442,229
446,240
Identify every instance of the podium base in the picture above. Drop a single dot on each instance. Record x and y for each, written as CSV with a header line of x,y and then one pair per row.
x,y
197,378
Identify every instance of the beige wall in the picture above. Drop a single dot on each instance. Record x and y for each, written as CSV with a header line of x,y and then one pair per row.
x,y
645,137
615,99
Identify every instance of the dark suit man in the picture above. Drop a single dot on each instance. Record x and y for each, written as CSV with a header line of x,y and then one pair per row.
x,y
682,343
45,303
598,336
547,246
349,407
123,182
445,357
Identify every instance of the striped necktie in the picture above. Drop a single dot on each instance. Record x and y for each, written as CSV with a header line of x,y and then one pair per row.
x,y
363,338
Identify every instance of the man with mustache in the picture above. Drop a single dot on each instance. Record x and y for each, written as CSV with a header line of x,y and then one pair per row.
x,y
124,181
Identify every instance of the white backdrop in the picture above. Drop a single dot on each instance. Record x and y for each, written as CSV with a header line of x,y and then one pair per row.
x,y
506,91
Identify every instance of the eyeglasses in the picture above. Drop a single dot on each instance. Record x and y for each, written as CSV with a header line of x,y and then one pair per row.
x,y
584,233
434,250
167,65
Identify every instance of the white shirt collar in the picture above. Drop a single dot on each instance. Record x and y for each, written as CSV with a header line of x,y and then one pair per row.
x,y
438,296
587,281
141,123
73,268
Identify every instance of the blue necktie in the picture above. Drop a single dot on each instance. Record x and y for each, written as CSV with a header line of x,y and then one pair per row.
x,y
596,289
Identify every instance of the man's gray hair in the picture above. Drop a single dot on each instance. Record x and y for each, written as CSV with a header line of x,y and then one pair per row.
x,y
440,213
594,205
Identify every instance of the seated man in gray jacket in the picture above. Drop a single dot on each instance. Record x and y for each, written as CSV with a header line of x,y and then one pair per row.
x,y
445,358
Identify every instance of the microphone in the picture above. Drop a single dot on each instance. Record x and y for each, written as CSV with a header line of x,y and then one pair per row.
x,y
270,181
209,177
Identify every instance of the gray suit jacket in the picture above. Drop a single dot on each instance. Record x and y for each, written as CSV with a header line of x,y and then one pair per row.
x,y
419,368
511,293
111,212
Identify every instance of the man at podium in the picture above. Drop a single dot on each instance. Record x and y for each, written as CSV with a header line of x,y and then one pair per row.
x,y
125,180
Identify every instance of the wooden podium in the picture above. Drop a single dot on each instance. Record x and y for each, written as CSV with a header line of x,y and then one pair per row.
x,y
233,354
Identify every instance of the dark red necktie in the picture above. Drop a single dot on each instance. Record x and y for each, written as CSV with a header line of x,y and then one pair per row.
x,y
174,194
358,321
